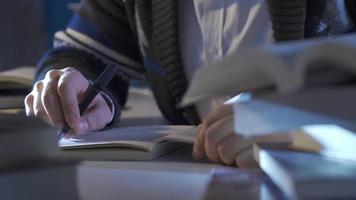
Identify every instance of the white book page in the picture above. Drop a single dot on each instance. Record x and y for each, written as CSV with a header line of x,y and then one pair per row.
x,y
135,137
248,70
283,65
186,134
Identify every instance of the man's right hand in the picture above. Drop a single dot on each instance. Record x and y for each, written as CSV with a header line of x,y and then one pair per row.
x,y
55,100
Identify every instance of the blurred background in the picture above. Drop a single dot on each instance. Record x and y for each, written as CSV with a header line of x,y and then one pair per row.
x,y
27,28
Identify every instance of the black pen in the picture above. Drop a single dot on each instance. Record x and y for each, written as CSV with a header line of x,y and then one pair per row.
x,y
93,90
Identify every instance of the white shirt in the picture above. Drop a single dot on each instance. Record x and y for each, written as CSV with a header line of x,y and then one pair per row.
x,y
213,29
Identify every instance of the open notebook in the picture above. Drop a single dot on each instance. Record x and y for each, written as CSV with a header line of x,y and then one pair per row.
x,y
132,143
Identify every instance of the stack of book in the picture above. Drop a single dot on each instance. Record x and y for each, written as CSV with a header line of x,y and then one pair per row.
x,y
319,163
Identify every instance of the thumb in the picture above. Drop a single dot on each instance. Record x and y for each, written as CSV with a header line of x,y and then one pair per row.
x,y
95,118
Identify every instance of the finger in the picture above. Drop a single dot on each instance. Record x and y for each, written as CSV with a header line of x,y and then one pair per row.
x,y
246,160
29,105
232,147
222,111
71,85
38,109
219,113
227,149
215,134
50,98
198,148
95,118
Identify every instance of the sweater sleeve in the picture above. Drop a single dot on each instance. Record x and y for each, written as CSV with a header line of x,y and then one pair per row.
x,y
98,34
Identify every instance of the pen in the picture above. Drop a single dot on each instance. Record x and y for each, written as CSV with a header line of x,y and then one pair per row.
x,y
92,91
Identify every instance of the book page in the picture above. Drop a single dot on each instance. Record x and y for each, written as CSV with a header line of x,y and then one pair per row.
x,y
20,75
132,137
236,73
283,66
248,70
186,134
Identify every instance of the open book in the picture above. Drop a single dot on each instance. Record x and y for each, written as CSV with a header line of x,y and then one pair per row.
x,y
286,66
15,84
132,143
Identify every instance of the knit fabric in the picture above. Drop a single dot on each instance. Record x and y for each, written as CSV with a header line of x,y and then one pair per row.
x,y
288,19
165,43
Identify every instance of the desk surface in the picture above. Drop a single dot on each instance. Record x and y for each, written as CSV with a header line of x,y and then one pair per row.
x,y
141,110
174,176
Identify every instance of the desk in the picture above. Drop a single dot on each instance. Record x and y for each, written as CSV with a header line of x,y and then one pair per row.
x,y
155,180
174,176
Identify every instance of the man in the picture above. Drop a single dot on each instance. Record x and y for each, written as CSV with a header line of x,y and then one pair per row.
x,y
165,41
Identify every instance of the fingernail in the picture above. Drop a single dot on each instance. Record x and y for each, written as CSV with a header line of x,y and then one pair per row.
x,y
83,126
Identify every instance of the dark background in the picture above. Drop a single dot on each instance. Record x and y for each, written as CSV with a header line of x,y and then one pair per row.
x,y
27,28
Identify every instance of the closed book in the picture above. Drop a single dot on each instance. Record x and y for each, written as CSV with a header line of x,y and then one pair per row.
x,y
301,175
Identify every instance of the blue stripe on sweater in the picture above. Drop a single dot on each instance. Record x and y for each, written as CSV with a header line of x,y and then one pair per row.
x,y
153,66
81,25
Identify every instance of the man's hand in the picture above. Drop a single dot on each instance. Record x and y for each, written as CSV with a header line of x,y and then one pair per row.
x,y
217,140
55,100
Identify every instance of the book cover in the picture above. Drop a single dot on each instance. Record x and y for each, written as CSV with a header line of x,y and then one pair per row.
x,y
301,175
